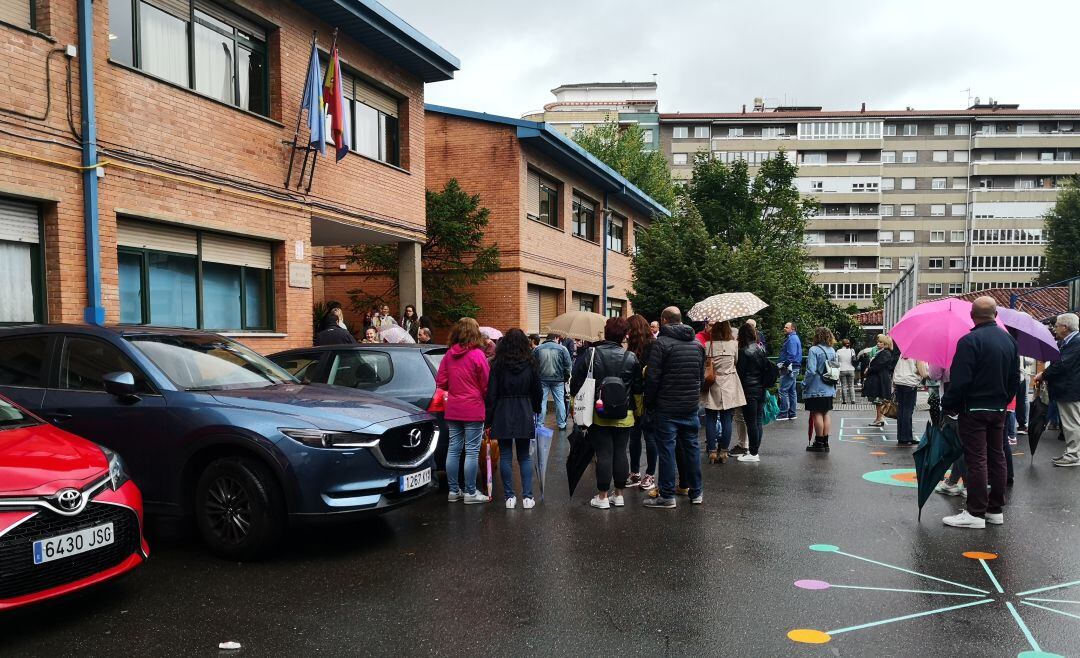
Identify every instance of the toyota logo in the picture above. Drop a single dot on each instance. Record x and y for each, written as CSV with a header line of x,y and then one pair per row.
x,y
413,439
69,499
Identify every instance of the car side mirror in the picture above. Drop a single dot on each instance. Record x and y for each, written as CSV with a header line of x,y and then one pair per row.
x,y
121,384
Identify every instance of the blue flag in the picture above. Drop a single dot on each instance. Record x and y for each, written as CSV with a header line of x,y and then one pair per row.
x,y
313,102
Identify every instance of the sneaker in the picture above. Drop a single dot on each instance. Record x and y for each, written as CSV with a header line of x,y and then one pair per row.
x,y
454,496
793,417
648,483
697,500
995,519
660,503
511,502
1022,429
476,498
617,501
1065,461
944,487
600,503
1012,440
749,458
562,427
634,480
964,520
737,450
528,503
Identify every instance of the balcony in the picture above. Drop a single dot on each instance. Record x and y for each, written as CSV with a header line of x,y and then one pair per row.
x,y
1020,167
852,249
1015,193
1026,140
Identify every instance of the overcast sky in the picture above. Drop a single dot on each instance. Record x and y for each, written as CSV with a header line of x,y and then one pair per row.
x,y
715,56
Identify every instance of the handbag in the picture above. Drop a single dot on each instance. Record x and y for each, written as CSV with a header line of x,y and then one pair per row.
x,y
771,408
830,369
585,399
889,409
710,371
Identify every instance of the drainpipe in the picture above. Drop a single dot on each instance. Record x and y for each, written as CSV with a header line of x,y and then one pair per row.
x,y
604,248
94,312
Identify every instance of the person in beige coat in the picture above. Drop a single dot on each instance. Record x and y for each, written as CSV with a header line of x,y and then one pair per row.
x,y
725,394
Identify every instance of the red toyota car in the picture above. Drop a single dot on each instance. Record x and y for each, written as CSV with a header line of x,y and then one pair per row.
x,y
69,516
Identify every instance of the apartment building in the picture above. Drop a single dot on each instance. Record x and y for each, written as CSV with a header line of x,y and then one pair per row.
x,y
581,105
963,191
143,169
565,223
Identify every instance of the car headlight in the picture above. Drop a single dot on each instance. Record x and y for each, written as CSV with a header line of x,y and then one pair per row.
x,y
118,475
329,439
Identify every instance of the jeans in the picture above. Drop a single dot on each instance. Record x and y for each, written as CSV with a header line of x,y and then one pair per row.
x,y
754,417
847,386
558,391
637,433
980,434
506,466
905,408
717,429
609,444
467,435
789,397
678,433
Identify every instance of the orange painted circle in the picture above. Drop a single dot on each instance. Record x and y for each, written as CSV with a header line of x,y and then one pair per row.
x,y
808,636
878,453
906,476
979,555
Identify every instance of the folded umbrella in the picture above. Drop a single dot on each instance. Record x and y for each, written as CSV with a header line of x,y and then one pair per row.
x,y
579,458
540,447
726,306
1033,338
938,449
582,325
1036,422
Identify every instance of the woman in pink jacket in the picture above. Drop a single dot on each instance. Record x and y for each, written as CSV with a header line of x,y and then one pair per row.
x,y
463,374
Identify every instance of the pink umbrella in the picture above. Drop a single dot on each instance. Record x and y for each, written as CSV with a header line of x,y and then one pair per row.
x,y
490,333
929,332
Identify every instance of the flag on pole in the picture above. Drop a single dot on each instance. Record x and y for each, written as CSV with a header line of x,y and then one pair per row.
x,y
313,102
335,105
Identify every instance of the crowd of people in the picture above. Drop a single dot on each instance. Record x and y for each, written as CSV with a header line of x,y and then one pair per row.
x,y
379,326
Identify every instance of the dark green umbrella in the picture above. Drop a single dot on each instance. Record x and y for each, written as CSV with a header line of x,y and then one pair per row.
x,y
580,457
938,449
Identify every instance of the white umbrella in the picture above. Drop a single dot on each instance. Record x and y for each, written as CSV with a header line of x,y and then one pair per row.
x,y
395,334
582,325
726,306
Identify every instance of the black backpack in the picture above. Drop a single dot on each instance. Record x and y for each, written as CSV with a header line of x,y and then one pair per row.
x,y
612,394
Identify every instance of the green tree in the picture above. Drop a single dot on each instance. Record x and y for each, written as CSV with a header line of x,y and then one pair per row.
x,y
1062,224
453,259
623,149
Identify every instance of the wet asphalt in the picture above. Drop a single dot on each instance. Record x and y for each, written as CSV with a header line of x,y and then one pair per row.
x,y
564,579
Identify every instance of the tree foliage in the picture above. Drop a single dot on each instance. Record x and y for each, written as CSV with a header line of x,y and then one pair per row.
x,y
623,149
1062,224
453,259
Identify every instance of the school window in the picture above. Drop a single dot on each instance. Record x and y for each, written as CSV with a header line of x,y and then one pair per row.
x,y
884,263
937,236
933,289
911,129
584,219
958,209
639,234
702,132
956,236
21,257
941,129
887,210
616,233
907,210
680,132
175,277
888,157
960,129
885,236
890,130
937,183
199,45
542,199
678,158
615,308
907,183
907,236
888,183
17,12
956,288
937,210
584,302
956,263
935,263
909,157
941,156
959,183
960,156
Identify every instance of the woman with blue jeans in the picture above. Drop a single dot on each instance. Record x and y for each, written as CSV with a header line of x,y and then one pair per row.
x,y
513,400
725,394
463,374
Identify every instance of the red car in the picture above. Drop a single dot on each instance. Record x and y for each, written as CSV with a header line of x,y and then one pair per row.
x,y
69,516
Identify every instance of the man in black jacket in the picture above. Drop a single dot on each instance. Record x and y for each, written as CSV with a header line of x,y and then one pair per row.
x,y
1063,376
983,379
673,379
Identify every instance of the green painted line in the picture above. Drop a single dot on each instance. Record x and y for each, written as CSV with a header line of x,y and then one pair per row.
x,y
910,591
915,573
1046,600
994,580
1047,589
906,617
1023,626
1036,605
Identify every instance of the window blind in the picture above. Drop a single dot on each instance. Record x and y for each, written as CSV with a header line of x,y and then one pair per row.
x,y
159,237
18,221
231,250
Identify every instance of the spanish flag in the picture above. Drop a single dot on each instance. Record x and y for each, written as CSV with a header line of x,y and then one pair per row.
x,y
336,106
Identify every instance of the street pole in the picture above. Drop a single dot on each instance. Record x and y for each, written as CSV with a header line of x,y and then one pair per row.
x,y
604,246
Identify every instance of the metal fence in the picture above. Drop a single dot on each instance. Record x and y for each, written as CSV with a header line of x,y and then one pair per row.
x,y
903,296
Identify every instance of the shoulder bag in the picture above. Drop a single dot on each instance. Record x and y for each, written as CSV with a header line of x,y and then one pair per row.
x,y
710,371
585,399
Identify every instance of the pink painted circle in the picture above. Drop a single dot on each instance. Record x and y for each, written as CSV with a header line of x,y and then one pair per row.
x,y
812,584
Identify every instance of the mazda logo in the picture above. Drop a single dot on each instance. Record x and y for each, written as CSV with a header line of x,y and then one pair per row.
x,y
413,439
69,499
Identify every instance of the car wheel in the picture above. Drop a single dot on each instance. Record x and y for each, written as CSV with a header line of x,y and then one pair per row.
x,y
238,508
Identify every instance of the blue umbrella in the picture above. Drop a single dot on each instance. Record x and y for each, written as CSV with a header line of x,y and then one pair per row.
x,y
540,448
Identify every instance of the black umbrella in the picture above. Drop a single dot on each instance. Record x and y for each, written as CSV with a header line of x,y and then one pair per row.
x,y
938,449
579,458
1036,423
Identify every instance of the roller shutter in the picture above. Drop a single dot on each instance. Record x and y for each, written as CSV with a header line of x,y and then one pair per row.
x,y
372,97
532,194
179,8
159,237
532,309
19,221
16,12
230,250
549,306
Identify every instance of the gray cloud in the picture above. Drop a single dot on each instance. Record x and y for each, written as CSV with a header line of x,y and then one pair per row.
x,y
715,56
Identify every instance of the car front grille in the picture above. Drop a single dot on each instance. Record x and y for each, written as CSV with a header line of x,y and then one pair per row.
x,y
18,573
395,444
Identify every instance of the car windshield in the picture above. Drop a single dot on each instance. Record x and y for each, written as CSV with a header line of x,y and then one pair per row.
x,y
210,363
435,357
12,417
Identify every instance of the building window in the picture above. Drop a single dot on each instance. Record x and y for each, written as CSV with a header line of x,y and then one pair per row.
x,y
18,12
584,219
956,288
935,263
903,263
888,157
956,236
960,156
813,158
731,132
851,263
884,263
911,129
941,156
174,277
851,237
373,116
840,130
615,308
864,187
960,129
702,132
885,236
907,236
956,263
1006,263
616,233
888,183
639,234
958,209
933,289
941,129
646,137
937,183
853,156
910,157
680,132
907,183
203,47
772,132
1007,236
542,199
817,185
678,158
937,236
887,210
937,210
907,210
21,263
850,290
890,130
959,183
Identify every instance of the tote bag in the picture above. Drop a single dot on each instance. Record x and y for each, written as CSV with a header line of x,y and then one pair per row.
x,y
585,400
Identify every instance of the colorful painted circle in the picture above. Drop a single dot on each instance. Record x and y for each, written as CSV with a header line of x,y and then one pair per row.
x,y
979,555
808,636
811,584
897,477
825,548
1028,654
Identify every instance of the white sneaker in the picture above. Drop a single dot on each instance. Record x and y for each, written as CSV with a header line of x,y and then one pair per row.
x,y
528,503
957,489
697,500
600,503
995,519
749,458
511,502
964,520
454,496
617,501
476,498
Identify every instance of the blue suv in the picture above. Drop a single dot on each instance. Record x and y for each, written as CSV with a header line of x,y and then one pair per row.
x,y
210,428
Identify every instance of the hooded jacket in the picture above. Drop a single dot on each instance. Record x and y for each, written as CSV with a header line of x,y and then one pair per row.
x,y
513,398
463,374
676,370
